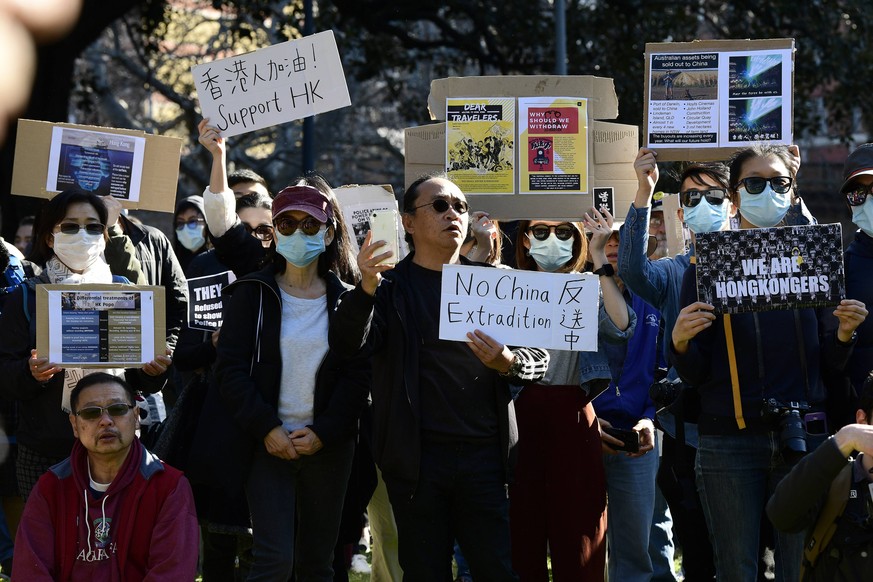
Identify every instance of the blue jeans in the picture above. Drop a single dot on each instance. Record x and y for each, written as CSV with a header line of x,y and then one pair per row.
x,y
309,491
736,474
630,486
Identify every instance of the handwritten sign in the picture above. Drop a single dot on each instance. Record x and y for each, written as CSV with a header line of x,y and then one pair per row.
x,y
272,85
205,308
778,268
520,308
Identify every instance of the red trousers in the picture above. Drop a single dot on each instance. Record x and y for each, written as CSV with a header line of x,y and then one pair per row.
x,y
558,497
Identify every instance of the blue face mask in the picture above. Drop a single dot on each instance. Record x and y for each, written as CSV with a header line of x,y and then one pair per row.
x,y
551,254
300,249
191,238
705,217
765,209
862,216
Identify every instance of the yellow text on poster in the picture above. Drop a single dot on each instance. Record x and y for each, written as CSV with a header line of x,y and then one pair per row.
x,y
553,142
480,144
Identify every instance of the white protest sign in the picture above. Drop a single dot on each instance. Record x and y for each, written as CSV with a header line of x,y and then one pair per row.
x,y
272,85
520,308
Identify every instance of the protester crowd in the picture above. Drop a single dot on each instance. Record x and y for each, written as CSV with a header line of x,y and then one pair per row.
x,y
327,393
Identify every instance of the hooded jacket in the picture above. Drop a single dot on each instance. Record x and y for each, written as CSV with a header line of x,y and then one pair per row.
x,y
143,527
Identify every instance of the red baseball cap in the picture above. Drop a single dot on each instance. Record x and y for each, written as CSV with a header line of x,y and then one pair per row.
x,y
306,198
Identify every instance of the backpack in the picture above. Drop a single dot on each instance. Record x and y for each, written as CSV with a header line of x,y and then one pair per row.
x,y
828,519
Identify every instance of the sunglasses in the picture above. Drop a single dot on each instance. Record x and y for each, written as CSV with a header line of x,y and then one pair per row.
x,y
442,205
95,412
261,232
858,194
191,224
309,226
542,231
92,228
692,197
780,184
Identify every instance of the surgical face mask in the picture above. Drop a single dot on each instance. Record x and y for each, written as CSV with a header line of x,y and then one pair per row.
x,y
862,216
765,209
705,217
300,249
191,238
551,254
78,251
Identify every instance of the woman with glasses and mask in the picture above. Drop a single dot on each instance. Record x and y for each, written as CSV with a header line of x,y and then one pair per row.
x,y
69,241
558,496
190,233
294,403
739,361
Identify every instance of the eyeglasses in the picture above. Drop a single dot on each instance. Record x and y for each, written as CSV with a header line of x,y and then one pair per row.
x,y
191,224
780,184
858,194
442,205
261,232
95,412
692,197
74,228
309,226
542,231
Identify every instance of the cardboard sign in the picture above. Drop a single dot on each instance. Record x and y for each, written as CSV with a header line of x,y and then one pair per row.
x,y
705,99
139,169
553,145
358,203
100,326
272,85
480,145
789,267
205,308
520,308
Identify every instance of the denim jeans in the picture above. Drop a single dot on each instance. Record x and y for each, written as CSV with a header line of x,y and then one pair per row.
x,y
736,474
630,484
309,491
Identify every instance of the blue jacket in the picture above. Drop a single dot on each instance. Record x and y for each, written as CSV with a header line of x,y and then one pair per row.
x,y
594,366
859,285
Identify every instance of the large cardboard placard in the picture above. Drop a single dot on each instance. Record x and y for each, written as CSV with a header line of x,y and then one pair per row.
x,y
100,326
520,308
763,269
272,85
358,202
150,162
480,144
205,305
705,99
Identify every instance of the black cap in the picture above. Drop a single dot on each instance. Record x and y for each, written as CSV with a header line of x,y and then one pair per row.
x,y
859,163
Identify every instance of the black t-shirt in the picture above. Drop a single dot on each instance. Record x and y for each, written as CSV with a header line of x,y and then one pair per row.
x,y
457,391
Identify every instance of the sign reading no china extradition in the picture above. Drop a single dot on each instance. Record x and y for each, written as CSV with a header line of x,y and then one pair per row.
x,y
272,85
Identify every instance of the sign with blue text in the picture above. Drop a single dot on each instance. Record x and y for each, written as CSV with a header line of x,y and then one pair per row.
x,y
521,308
272,85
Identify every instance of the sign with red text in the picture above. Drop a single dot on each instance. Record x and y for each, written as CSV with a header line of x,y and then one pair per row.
x,y
553,137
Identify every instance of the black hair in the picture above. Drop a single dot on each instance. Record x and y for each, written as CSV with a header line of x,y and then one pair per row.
x,y
410,197
26,221
254,200
716,171
100,378
53,212
740,158
245,175
865,399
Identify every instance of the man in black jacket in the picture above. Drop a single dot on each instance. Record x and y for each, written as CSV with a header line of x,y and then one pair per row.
x,y
444,424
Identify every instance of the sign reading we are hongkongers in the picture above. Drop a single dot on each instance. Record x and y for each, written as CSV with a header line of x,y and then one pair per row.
x,y
272,85
762,269
520,308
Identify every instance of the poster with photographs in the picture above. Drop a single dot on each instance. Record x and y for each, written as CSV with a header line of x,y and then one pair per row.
x,y
780,268
480,144
554,134
683,94
755,97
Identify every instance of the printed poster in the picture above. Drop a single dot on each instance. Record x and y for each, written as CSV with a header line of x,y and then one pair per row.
x,y
205,307
480,144
554,134
520,308
107,164
358,203
788,267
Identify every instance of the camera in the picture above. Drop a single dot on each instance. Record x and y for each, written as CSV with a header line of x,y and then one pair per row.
x,y
665,392
792,432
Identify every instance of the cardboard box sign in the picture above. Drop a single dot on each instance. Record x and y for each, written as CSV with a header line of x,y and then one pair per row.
x,y
159,161
611,152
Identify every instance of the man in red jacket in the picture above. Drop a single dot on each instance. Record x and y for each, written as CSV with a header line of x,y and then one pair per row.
x,y
112,510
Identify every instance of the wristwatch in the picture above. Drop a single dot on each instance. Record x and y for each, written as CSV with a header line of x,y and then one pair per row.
x,y
606,270
515,368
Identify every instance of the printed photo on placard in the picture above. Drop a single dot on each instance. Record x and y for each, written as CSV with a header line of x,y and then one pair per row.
x,y
480,144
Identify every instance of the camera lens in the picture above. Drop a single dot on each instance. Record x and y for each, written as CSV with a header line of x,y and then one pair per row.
x,y
792,436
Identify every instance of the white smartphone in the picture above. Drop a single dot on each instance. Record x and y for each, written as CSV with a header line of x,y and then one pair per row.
x,y
383,225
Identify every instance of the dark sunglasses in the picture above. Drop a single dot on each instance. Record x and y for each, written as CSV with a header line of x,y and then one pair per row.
x,y
309,226
192,223
780,184
73,228
542,231
692,197
95,412
858,194
261,232
442,205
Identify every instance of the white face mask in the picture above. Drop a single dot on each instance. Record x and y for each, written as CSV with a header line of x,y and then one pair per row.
x,y
862,216
78,251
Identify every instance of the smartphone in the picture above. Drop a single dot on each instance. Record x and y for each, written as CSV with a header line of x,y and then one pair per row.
x,y
630,438
816,423
383,226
